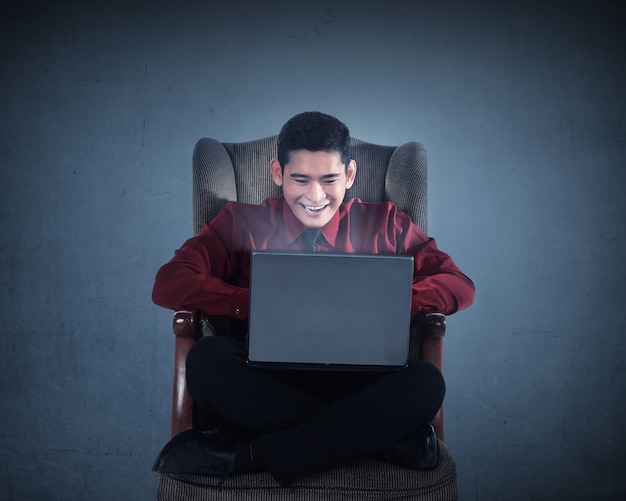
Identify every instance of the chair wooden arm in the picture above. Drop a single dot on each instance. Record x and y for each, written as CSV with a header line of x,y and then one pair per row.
x,y
431,348
184,324
431,339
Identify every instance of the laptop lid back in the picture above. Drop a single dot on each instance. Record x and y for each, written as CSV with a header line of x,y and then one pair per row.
x,y
329,311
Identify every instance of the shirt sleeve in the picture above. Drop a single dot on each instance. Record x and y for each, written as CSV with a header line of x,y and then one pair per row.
x,y
196,276
438,284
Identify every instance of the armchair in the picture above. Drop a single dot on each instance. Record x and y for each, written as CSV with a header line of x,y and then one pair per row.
x,y
240,171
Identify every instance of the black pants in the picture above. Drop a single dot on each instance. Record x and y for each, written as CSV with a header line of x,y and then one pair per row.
x,y
308,420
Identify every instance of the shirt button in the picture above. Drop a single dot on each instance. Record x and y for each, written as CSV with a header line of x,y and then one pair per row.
x,y
237,311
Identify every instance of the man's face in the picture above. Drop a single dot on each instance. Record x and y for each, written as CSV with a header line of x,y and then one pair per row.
x,y
314,184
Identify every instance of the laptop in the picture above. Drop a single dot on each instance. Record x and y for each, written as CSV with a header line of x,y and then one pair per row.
x,y
329,311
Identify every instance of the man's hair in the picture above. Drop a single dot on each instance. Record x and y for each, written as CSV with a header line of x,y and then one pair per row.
x,y
313,131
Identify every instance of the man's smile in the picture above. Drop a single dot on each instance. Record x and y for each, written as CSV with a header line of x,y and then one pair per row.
x,y
315,208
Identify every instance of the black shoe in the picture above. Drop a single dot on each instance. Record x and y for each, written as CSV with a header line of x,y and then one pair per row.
x,y
419,451
191,452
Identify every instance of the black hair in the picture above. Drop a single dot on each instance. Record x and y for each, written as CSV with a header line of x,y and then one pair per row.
x,y
313,131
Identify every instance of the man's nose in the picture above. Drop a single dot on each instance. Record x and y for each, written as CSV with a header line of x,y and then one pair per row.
x,y
316,192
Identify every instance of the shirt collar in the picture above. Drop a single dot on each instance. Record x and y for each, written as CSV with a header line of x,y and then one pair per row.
x,y
294,228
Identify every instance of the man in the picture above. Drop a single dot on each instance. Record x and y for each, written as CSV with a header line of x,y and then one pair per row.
x,y
295,423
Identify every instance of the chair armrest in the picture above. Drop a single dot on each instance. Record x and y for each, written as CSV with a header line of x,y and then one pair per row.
x,y
431,349
184,326
184,323
428,332
435,325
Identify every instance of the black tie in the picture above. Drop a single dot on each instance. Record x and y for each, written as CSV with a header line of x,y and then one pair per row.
x,y
310,237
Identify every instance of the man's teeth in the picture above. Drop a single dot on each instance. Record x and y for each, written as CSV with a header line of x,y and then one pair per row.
x,y
314,209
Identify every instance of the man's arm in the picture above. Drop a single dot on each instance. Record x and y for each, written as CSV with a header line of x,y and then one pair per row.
x,y
444,292
194,278
438,284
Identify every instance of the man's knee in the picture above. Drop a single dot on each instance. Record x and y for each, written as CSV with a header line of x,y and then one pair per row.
x,y
424,387
213,355
428,373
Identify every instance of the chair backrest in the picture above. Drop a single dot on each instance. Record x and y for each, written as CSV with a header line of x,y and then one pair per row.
x,y
240,172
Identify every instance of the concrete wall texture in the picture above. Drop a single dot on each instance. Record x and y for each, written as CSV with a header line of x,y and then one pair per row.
x,y
521,106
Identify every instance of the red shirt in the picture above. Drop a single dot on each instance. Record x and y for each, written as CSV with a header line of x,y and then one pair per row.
x,y
211,271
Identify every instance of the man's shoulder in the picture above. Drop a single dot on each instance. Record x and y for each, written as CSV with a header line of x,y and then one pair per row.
x,y
376,214
356,205
240,216
247,215
243,208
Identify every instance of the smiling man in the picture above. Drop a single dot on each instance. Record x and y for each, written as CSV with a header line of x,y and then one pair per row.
x,y
294,423
314,182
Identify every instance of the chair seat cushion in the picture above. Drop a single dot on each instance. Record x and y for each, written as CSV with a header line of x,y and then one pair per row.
x,y
365,478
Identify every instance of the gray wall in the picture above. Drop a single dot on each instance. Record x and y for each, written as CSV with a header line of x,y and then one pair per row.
x,y
521,106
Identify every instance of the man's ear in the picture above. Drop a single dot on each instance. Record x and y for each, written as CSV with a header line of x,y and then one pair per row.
x,y
277,172
350,174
